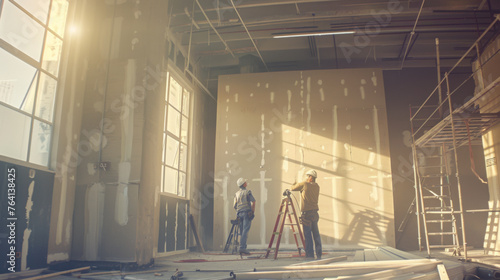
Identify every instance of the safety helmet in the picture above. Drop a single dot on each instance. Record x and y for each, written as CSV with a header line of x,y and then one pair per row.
x,y
241,181
312,172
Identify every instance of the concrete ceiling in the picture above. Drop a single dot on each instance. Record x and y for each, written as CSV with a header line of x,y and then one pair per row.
x,y
228,33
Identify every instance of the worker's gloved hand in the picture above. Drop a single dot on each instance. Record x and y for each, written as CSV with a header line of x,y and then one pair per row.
x,y
251,215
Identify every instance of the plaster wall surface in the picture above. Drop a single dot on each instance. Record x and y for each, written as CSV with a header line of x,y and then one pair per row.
x,y
273,127
490,60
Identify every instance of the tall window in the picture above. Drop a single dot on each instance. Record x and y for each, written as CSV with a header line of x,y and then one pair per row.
x,y
175,137
31,40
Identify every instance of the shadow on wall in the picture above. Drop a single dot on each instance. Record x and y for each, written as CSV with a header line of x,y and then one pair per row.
x,y
491,236
364,229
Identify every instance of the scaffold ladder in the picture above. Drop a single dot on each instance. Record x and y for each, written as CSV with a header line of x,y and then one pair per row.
x,y
435,196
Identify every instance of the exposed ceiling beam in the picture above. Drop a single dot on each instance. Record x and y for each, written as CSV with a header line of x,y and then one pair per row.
x,y
215,30
249,35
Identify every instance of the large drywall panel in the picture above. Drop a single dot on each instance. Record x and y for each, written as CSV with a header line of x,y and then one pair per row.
x,y
273,127
490,103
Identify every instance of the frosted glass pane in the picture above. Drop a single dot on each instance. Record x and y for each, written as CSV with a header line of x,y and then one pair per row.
x,y
15,128
172,152
175,94
45,97
185,103
164,146
167,85
52,54
38,8
58,12
40,143
185,129
16,78
170,182
183,158
174,121
21,31
181,191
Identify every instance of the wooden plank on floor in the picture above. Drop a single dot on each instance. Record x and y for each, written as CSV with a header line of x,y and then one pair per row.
x,y
399,254
382,255
359,256
370,255
59,273
443,275
323,261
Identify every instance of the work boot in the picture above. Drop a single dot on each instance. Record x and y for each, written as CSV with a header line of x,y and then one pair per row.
x,y
244,252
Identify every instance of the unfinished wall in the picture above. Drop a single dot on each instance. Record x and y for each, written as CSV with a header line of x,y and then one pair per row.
x,y
273,127
489,76
67,128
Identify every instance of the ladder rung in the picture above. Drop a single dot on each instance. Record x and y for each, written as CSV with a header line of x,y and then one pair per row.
x,y
434,175
443,246
436,196
438,186
439,221
441,233
435,156
276,233
432,166
443,212
444,208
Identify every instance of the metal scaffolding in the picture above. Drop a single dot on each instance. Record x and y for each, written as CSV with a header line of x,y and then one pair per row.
x,y
437,132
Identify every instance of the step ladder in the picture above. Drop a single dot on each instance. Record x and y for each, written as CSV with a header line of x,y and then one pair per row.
x,y
232,239
286,210
434,193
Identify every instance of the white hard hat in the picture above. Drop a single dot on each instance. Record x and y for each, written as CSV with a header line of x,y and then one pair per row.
x,y
312,172
241,181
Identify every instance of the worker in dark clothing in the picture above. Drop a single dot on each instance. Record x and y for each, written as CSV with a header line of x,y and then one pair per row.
x,y
309,192
244,204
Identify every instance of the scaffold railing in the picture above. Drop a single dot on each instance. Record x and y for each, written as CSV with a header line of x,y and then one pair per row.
x,y
438,128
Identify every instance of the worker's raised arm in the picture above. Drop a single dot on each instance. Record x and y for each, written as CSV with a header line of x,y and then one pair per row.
x,y
298,186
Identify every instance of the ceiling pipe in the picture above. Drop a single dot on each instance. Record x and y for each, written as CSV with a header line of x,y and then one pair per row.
x,y
337,15
210,23
412,33
250,36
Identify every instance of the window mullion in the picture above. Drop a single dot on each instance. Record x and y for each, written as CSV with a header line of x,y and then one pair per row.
x,y
45,26
19,54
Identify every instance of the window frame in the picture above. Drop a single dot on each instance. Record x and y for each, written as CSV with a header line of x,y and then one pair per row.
x,y
40,70
185,85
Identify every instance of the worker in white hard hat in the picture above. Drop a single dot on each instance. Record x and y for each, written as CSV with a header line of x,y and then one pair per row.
x,y
309,192
244,204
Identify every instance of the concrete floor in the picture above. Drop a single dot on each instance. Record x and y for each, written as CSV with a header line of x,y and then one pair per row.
x,y
216,265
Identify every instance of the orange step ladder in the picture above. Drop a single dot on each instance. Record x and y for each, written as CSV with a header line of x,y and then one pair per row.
x,y
286,210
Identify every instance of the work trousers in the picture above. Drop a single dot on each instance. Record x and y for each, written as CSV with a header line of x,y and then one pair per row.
x,y
311,232
245,224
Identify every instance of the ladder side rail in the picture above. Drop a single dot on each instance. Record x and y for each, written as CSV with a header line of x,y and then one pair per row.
x,y
298,226
416,183
293,232
274,230
442,170
457,174
229,240
283,220
293,229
